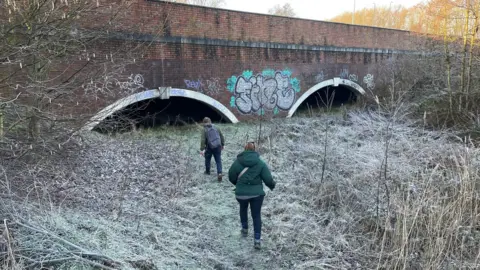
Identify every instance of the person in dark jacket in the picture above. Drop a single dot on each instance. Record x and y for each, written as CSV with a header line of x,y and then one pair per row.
x,y
207,152
248,173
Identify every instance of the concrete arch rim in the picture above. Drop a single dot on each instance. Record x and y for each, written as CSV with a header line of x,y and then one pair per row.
x,y
330,82
158,93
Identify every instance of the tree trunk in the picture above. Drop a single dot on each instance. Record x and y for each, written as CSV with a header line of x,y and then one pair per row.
x,y
464,54
33,125
470,52
447,62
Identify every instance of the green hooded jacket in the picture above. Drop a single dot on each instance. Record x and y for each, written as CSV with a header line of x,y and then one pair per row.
x,y
250,183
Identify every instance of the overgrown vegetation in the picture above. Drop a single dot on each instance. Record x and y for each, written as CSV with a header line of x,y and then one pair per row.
x,y
446,89
140,198
393,183
54,57
435,17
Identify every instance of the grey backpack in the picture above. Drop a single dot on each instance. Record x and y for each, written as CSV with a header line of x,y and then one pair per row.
x,y
213,137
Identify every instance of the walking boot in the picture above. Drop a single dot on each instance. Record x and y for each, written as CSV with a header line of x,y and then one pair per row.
x,y
219,177
257,244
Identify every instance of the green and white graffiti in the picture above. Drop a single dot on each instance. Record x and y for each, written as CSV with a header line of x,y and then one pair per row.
x,y
267,91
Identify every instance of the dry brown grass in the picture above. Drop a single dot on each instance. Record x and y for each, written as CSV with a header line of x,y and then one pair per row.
x,y
419,212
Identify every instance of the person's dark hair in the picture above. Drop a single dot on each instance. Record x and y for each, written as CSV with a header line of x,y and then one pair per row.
x,y
250,146
207,121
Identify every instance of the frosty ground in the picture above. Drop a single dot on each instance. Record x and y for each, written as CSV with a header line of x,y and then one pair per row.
x,y
142,198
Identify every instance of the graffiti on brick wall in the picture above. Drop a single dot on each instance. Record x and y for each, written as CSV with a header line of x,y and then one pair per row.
x,y
353,77
267,91
194,85
344,73
369,81
211,86
114,84
347,78
320,77
132,84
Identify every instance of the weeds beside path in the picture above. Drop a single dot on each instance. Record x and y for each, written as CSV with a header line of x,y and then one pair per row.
x,y
143,198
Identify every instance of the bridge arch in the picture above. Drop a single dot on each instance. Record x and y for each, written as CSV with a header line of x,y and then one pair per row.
x,y
351,85
162,93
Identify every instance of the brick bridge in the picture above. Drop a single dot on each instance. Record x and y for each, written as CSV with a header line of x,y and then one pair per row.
x,y
242,65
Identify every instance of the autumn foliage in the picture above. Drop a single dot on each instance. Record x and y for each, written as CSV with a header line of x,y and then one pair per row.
x,y
455,24
435,17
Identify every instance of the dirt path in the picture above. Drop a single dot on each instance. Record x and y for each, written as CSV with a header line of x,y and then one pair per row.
x,y
149,196
218,210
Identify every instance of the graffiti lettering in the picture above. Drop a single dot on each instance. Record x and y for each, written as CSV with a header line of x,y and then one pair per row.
x,y
271,90
320,77
132,85
353,77
197,85
344,73
213,86
138,79
369,81
112,85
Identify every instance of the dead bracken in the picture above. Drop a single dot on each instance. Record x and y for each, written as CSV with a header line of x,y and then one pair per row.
x,y
140,200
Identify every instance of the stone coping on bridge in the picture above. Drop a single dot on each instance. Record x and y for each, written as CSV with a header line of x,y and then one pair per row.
x,y
356,88
162,93
167,92
254,44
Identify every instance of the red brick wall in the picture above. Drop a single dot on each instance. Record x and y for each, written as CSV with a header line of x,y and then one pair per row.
x,y
171,64
208,68
203,22
197,67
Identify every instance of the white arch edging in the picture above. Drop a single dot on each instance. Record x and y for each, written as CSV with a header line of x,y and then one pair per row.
x,y
163,93
331,82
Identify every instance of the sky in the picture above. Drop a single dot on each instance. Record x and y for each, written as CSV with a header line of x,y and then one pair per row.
x,y
314,9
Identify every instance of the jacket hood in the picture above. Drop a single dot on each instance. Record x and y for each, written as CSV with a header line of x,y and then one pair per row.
x,y
248,158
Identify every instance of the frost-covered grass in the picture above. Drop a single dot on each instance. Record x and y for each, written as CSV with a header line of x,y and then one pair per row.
x,y
142,197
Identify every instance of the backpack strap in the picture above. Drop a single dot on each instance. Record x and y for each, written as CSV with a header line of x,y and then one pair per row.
x,y
242,172
205,130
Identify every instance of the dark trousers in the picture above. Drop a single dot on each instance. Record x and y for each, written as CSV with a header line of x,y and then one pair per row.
x,y
217,155
255,209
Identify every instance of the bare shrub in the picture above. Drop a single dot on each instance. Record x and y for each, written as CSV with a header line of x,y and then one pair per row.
x,y
56,55
141,198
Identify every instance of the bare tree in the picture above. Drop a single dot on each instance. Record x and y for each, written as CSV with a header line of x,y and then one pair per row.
x,y
55,55
208,3
285,10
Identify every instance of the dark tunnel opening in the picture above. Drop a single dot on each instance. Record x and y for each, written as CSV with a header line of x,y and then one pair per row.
x,y
330,96
176,111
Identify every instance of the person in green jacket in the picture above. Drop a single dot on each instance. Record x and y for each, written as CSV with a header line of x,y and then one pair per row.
x,y
248,173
